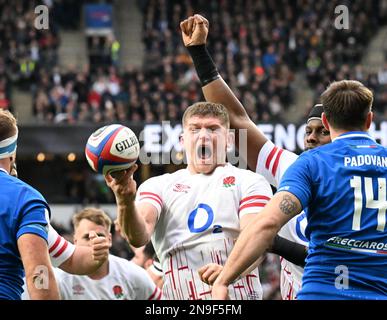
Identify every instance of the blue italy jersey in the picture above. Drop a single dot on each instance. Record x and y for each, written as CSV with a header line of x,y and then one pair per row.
x,y
22,210
343,187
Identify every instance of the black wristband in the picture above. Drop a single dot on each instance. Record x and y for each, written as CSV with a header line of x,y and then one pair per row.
x,y
293,252
204,65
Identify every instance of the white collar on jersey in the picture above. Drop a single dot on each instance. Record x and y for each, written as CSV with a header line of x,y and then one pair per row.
x,y
2,169
354,134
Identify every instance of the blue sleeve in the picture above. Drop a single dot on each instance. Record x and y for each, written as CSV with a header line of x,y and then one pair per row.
x,y
33,215
297,180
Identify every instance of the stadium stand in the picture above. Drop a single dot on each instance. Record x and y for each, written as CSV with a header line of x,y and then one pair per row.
x,y
258,54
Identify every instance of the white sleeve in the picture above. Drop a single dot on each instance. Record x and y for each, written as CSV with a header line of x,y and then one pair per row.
x,y
294,229
150,191
255,193
25,295
147,289
156,268
273,162
58,247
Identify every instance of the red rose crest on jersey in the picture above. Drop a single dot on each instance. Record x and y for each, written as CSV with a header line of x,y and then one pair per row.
x,y
229,182
117,290
178,187
78,289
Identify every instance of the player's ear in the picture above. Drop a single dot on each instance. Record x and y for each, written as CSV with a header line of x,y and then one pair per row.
x,y
110,240
181,139
148,262
230,139
370,117
325,121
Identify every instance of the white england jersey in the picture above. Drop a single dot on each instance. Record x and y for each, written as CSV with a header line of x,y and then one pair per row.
x,y
272,164
125,281
198,222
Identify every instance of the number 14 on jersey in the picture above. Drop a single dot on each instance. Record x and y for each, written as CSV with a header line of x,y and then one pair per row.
x,y
380,204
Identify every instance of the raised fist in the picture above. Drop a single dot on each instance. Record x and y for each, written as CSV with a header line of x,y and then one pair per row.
x,y
194,30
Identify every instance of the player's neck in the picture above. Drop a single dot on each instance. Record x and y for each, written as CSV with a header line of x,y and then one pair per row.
x,y
192,170
4,164
102,271
334,133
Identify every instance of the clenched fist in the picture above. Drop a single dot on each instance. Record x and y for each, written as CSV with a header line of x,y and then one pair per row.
x,y
194,30
100,247
209,273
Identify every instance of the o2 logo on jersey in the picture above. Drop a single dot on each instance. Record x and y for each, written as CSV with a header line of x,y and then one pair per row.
x,y
202,215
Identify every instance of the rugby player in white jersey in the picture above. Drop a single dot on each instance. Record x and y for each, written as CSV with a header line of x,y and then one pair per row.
x,y
262,155
115,279
194,215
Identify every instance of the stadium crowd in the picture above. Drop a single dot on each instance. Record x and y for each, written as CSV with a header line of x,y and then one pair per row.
x,y
258,47
257,53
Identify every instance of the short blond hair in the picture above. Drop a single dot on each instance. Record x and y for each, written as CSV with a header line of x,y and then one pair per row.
x,y
207,109
95,215
8,124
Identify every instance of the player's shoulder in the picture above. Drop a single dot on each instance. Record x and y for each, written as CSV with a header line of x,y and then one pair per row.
x,y
165,178
313,153
62,276
125,268
118,263
321,152
244,174
272,151
17,187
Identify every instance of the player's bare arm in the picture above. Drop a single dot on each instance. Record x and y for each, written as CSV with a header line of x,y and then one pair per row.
x,y
210,272
40,278
255,239
194,33
137,222
289,205
291,251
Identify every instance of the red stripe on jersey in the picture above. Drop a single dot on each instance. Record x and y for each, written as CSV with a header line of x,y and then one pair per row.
x,y
192,291
270,157
151,194
254,197
56,255
249,205
53,247
289,295
204,293
159,296
153,294
277,159
154,199
249,283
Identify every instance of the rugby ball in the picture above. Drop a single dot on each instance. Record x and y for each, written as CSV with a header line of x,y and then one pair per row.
x,y
112,148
